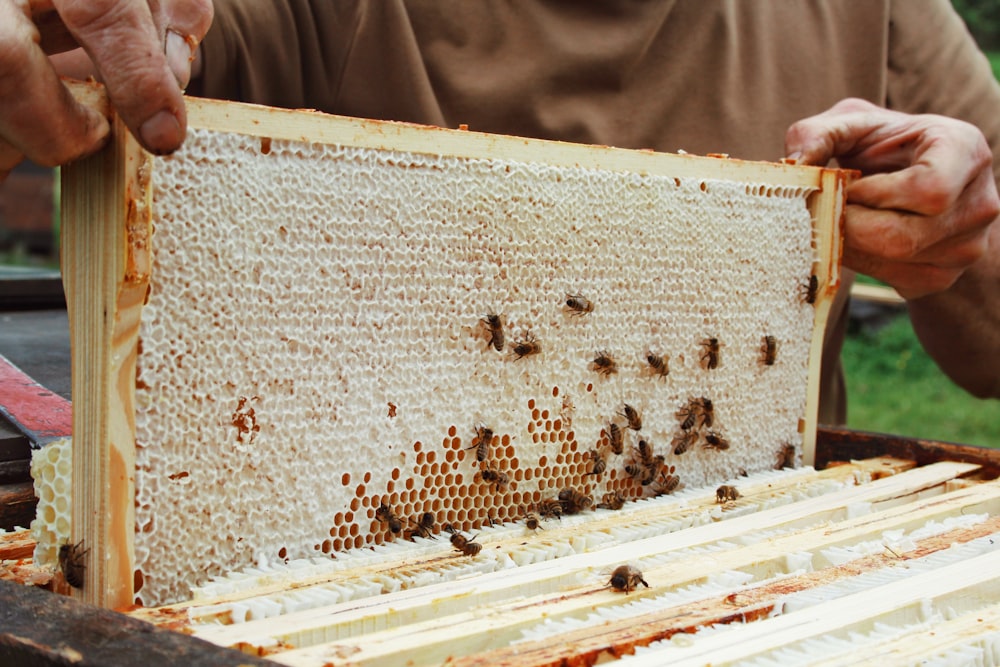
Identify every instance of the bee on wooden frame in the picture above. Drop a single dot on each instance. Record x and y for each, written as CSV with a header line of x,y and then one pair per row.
x,y
726,494
481,442
809,290
532,520
599,462
550,507
785,457
714,440
573,501
659,365
71,563
578,305
423,527
494,325
613,500
467,545
768,350
385,515
604,364
526,347
626,578
666,484
633,417
710,355
615,439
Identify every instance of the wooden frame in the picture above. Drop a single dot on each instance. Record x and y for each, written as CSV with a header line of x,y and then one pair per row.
x,y
51,629
106,241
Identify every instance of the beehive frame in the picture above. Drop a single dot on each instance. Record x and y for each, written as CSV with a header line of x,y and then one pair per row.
x,y
108,261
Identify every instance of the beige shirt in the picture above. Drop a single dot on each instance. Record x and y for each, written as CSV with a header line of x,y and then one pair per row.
x,y
704,76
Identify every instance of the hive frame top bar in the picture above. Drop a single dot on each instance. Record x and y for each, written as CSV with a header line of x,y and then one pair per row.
x,y
107,268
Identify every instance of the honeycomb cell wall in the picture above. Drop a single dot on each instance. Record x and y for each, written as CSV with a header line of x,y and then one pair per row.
x,y
52,475
317,343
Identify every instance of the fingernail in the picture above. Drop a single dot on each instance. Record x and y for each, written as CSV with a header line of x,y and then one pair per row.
x,y
178,52
161,133
794,156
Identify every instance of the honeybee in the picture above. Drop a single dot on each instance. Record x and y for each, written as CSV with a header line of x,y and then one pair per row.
x,y
652,470
526,347
768,350
683,441
498,479
706,411
578,305
659,365
481,443
466,545
710,356
726,493
424,527
645,451
666,484
385,515
633,417
688,415
809,290
626,578
574,502
494,323
600,464
636,471
604,364
613,500
550,507
71,563
615,438
785,457
532,520
714,440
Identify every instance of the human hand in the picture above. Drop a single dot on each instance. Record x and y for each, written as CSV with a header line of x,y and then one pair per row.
x,y
140,50
920,214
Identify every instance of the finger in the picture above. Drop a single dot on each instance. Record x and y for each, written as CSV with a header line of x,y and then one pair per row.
x,y
946,158
911,280
39,118
904,237
186,24
818,139
127,48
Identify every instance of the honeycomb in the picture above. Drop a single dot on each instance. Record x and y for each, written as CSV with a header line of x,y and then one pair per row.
x,y
52,475
321,360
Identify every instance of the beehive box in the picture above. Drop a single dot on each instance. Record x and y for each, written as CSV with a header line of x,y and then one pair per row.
x,y
291,329
886,558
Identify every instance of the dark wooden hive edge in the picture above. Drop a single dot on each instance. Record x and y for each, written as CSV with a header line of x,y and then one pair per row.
x,y
43,629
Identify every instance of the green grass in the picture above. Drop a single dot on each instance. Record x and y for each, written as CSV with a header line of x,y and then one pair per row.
x,y
893,386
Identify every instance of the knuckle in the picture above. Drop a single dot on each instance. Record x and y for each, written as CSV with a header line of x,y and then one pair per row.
x,y
852,104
